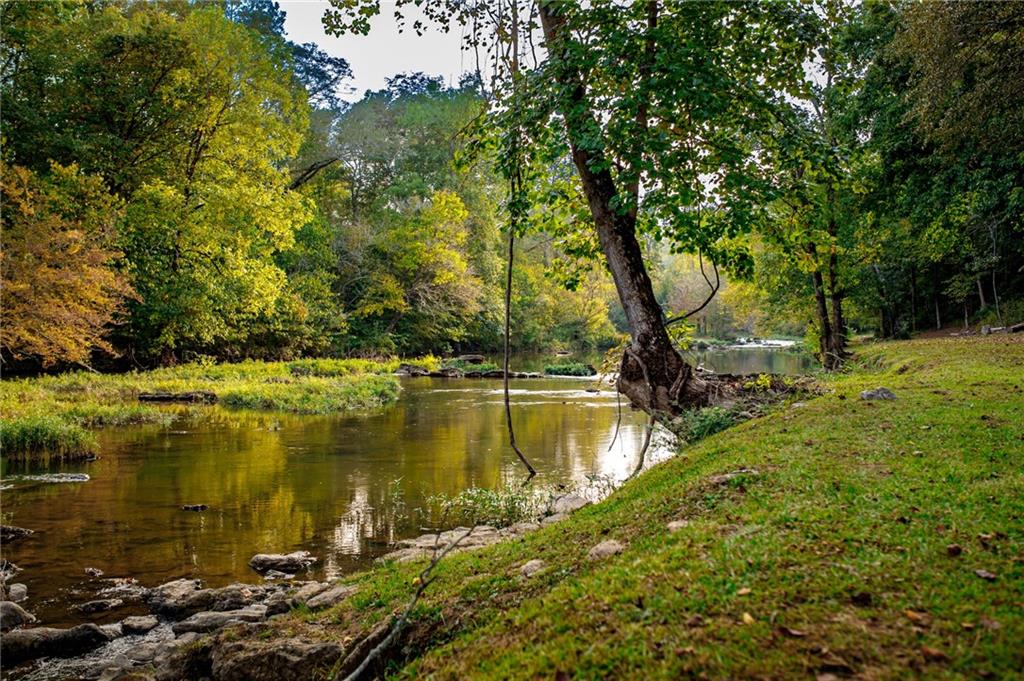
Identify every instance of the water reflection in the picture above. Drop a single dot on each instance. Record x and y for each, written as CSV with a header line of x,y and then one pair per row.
x,y
276,482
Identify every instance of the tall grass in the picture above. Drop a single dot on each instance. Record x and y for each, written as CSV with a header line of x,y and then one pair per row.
x,y
52,414
569,369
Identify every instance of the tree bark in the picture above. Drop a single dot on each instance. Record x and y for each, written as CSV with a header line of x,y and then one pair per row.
x,y
654,376
826,342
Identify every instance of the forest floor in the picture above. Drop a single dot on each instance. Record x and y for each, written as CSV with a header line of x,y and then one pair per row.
x,y
835,538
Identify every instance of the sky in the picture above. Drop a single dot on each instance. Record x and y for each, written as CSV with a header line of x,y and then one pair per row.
x,y
384,52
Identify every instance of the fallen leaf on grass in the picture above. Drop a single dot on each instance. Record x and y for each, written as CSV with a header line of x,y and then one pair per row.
x,y
967,626
748,618
934,654
743,592
920,618
954,550
695,621
986,575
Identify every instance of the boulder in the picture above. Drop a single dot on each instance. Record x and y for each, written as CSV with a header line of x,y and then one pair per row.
x,y
203,622
13,615
556,518
330,597
471,359
567,503
878,393
605,549
532,567
310,589
10,533
283,562
446,372
278,604
30,644
138,624
168,598
99,605
287,660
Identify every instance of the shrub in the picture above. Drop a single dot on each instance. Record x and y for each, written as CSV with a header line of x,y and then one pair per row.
x,y
32,436
480,506
570,369
692,426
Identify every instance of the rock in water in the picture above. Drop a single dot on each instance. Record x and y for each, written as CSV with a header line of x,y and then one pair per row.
x,y
100,605
132,626
282,562
29,644
412,370
13,615
10,533
194,507
93,572
878,393
17,592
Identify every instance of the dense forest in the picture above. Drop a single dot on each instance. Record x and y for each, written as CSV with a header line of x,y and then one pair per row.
x,y
182,181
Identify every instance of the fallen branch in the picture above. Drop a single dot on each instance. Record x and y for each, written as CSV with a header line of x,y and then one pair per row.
x,y
425,579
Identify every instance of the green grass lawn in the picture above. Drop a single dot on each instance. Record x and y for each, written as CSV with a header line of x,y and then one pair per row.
x,y
862,539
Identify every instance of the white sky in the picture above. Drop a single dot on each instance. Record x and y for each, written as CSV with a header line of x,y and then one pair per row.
x,y
384,52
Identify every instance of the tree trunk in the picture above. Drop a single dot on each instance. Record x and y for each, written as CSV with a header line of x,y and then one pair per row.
x,y
826,341
981,293
653,375
938,316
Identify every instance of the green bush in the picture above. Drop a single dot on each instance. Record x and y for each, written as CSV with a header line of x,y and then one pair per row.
x,y
570,369
45,435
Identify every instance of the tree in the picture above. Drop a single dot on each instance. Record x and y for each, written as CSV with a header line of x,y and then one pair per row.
x,y
648,96
61,289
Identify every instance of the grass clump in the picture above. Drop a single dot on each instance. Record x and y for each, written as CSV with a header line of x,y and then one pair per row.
x,y
698,424
53,435
481,506
464,366
570,369
315,395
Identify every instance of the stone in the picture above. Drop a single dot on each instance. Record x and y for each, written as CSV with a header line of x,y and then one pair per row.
x,y
203,622
93,572
167,598
552,519
446,372
99,605
194,507
283,562
532,567
605,549
412,370
567,503
330,597
112,630
30,644
144,652
878,393
287,660
277,574
13,615
17,592
111,669
138,624
310,589
10,533
677,525
986,330
7,570
722,478
278,604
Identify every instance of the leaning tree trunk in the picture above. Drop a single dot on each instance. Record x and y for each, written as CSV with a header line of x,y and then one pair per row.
x,y
653,375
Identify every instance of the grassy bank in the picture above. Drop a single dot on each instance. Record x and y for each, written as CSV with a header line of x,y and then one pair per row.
x,y
843,537
53,415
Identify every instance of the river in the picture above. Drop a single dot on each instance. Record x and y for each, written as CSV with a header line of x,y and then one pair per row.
x,y
342,487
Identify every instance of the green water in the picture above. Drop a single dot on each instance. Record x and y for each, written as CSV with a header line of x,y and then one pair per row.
x,y
342,487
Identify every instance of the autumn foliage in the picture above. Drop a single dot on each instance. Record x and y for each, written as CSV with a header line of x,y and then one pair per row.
x,y
61,290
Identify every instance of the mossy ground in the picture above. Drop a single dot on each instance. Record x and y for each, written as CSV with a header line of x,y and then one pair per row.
x,y
52,414
853,550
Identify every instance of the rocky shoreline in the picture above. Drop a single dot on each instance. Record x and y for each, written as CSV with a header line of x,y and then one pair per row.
x,y
184,617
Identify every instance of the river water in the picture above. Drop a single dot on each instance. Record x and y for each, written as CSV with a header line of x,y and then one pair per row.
x,y
342,487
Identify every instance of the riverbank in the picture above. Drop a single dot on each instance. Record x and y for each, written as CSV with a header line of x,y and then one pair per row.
x,y
839,536
53,416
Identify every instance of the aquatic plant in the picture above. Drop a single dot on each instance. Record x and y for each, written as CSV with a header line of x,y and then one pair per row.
x,y
570,369
36,436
